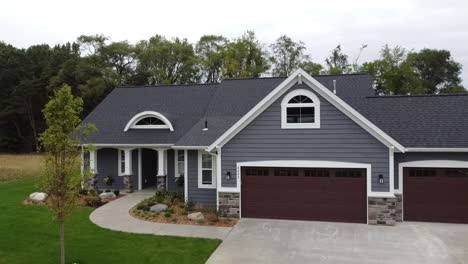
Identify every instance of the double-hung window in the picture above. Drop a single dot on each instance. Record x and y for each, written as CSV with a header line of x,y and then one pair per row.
x,y
207,170
121,162
180,163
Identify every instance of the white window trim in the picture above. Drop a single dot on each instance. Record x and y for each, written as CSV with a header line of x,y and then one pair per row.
x,y
285,105
427,164
127,162
119,163
132,123
200,171
176,162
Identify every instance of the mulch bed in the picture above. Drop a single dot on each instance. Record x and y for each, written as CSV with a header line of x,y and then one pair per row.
x,y
178,218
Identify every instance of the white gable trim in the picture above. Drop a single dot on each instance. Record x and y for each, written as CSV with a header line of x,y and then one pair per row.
x,y
144,114
320,89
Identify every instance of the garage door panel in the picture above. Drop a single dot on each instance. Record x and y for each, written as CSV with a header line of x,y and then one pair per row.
x,y
438,196
304,195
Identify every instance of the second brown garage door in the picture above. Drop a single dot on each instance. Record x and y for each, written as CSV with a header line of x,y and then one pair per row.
x,y
320,194
435,195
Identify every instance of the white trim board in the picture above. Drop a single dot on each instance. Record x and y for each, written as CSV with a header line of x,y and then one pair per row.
x,y
320,89
427,164
436,149
307,164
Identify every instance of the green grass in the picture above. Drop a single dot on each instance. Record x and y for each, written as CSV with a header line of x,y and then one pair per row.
x,y
28,235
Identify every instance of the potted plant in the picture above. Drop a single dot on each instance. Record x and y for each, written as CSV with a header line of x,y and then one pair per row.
x,y
108,180
179,181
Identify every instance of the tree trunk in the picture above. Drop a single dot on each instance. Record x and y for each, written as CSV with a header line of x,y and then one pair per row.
x,y
62,241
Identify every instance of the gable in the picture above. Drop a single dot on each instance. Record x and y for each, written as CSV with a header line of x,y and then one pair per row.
x,y
302,77
336,129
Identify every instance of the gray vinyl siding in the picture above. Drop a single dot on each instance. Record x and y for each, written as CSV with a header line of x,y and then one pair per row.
x,y
171,184
419,156
338,139
107,160
205,197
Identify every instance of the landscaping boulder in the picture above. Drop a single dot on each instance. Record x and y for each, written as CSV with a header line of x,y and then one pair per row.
x,y
158,208
196,216
38,197
106,196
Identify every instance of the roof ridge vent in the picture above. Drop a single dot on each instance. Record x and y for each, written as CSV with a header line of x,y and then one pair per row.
x,y
334,86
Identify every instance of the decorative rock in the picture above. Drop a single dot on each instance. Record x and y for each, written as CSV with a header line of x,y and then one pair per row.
x,y
38,197
106,196
196,216
158,208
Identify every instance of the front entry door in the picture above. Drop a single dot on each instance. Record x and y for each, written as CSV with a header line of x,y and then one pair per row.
x,y
149,168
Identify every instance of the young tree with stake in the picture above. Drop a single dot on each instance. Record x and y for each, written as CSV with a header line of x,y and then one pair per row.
x,y
62,141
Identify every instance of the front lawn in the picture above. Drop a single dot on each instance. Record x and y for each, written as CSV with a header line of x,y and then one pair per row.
x,y
27,235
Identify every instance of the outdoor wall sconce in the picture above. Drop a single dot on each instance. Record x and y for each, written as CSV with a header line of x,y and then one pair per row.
x,y
381,181
228,175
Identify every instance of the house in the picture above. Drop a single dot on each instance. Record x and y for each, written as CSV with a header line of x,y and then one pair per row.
x,y
311,148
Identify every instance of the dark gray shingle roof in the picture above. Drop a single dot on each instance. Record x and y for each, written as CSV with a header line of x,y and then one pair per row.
x,y
419,121
414,121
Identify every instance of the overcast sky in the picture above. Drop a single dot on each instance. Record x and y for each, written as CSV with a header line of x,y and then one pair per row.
x,y
320,24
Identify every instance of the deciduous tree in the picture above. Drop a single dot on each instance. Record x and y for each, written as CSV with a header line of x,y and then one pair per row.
x,y
62,140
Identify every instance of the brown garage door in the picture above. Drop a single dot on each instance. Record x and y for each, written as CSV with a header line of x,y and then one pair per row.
x,y
320,194
435,195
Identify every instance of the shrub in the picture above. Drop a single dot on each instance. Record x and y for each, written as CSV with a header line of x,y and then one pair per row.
x,y
184,213
84,192
92,201
116,192
189,205
143,207
170,210
92,192
108,190
159,199
99,192
168,214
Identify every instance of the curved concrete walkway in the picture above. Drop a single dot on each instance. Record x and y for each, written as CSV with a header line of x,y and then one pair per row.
x,y
115,216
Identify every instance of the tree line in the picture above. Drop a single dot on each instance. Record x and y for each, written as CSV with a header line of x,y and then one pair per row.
x,y
93,65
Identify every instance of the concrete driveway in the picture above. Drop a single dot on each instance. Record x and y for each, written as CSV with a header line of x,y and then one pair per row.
x,y
282,241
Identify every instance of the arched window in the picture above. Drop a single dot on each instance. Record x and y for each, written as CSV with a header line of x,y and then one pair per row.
x,y
300,109
149,120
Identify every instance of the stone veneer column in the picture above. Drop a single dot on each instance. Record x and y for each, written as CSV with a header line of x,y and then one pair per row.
x,y
127,181
229,204
382,211
399,208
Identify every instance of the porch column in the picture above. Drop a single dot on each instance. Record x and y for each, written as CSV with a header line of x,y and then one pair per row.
x,y
161,176
92,181
128,173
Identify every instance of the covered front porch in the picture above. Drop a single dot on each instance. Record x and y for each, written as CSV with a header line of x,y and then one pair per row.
x,y
133,168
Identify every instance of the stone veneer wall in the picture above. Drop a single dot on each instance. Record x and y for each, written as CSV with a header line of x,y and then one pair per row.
x,y
382,211
229,204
